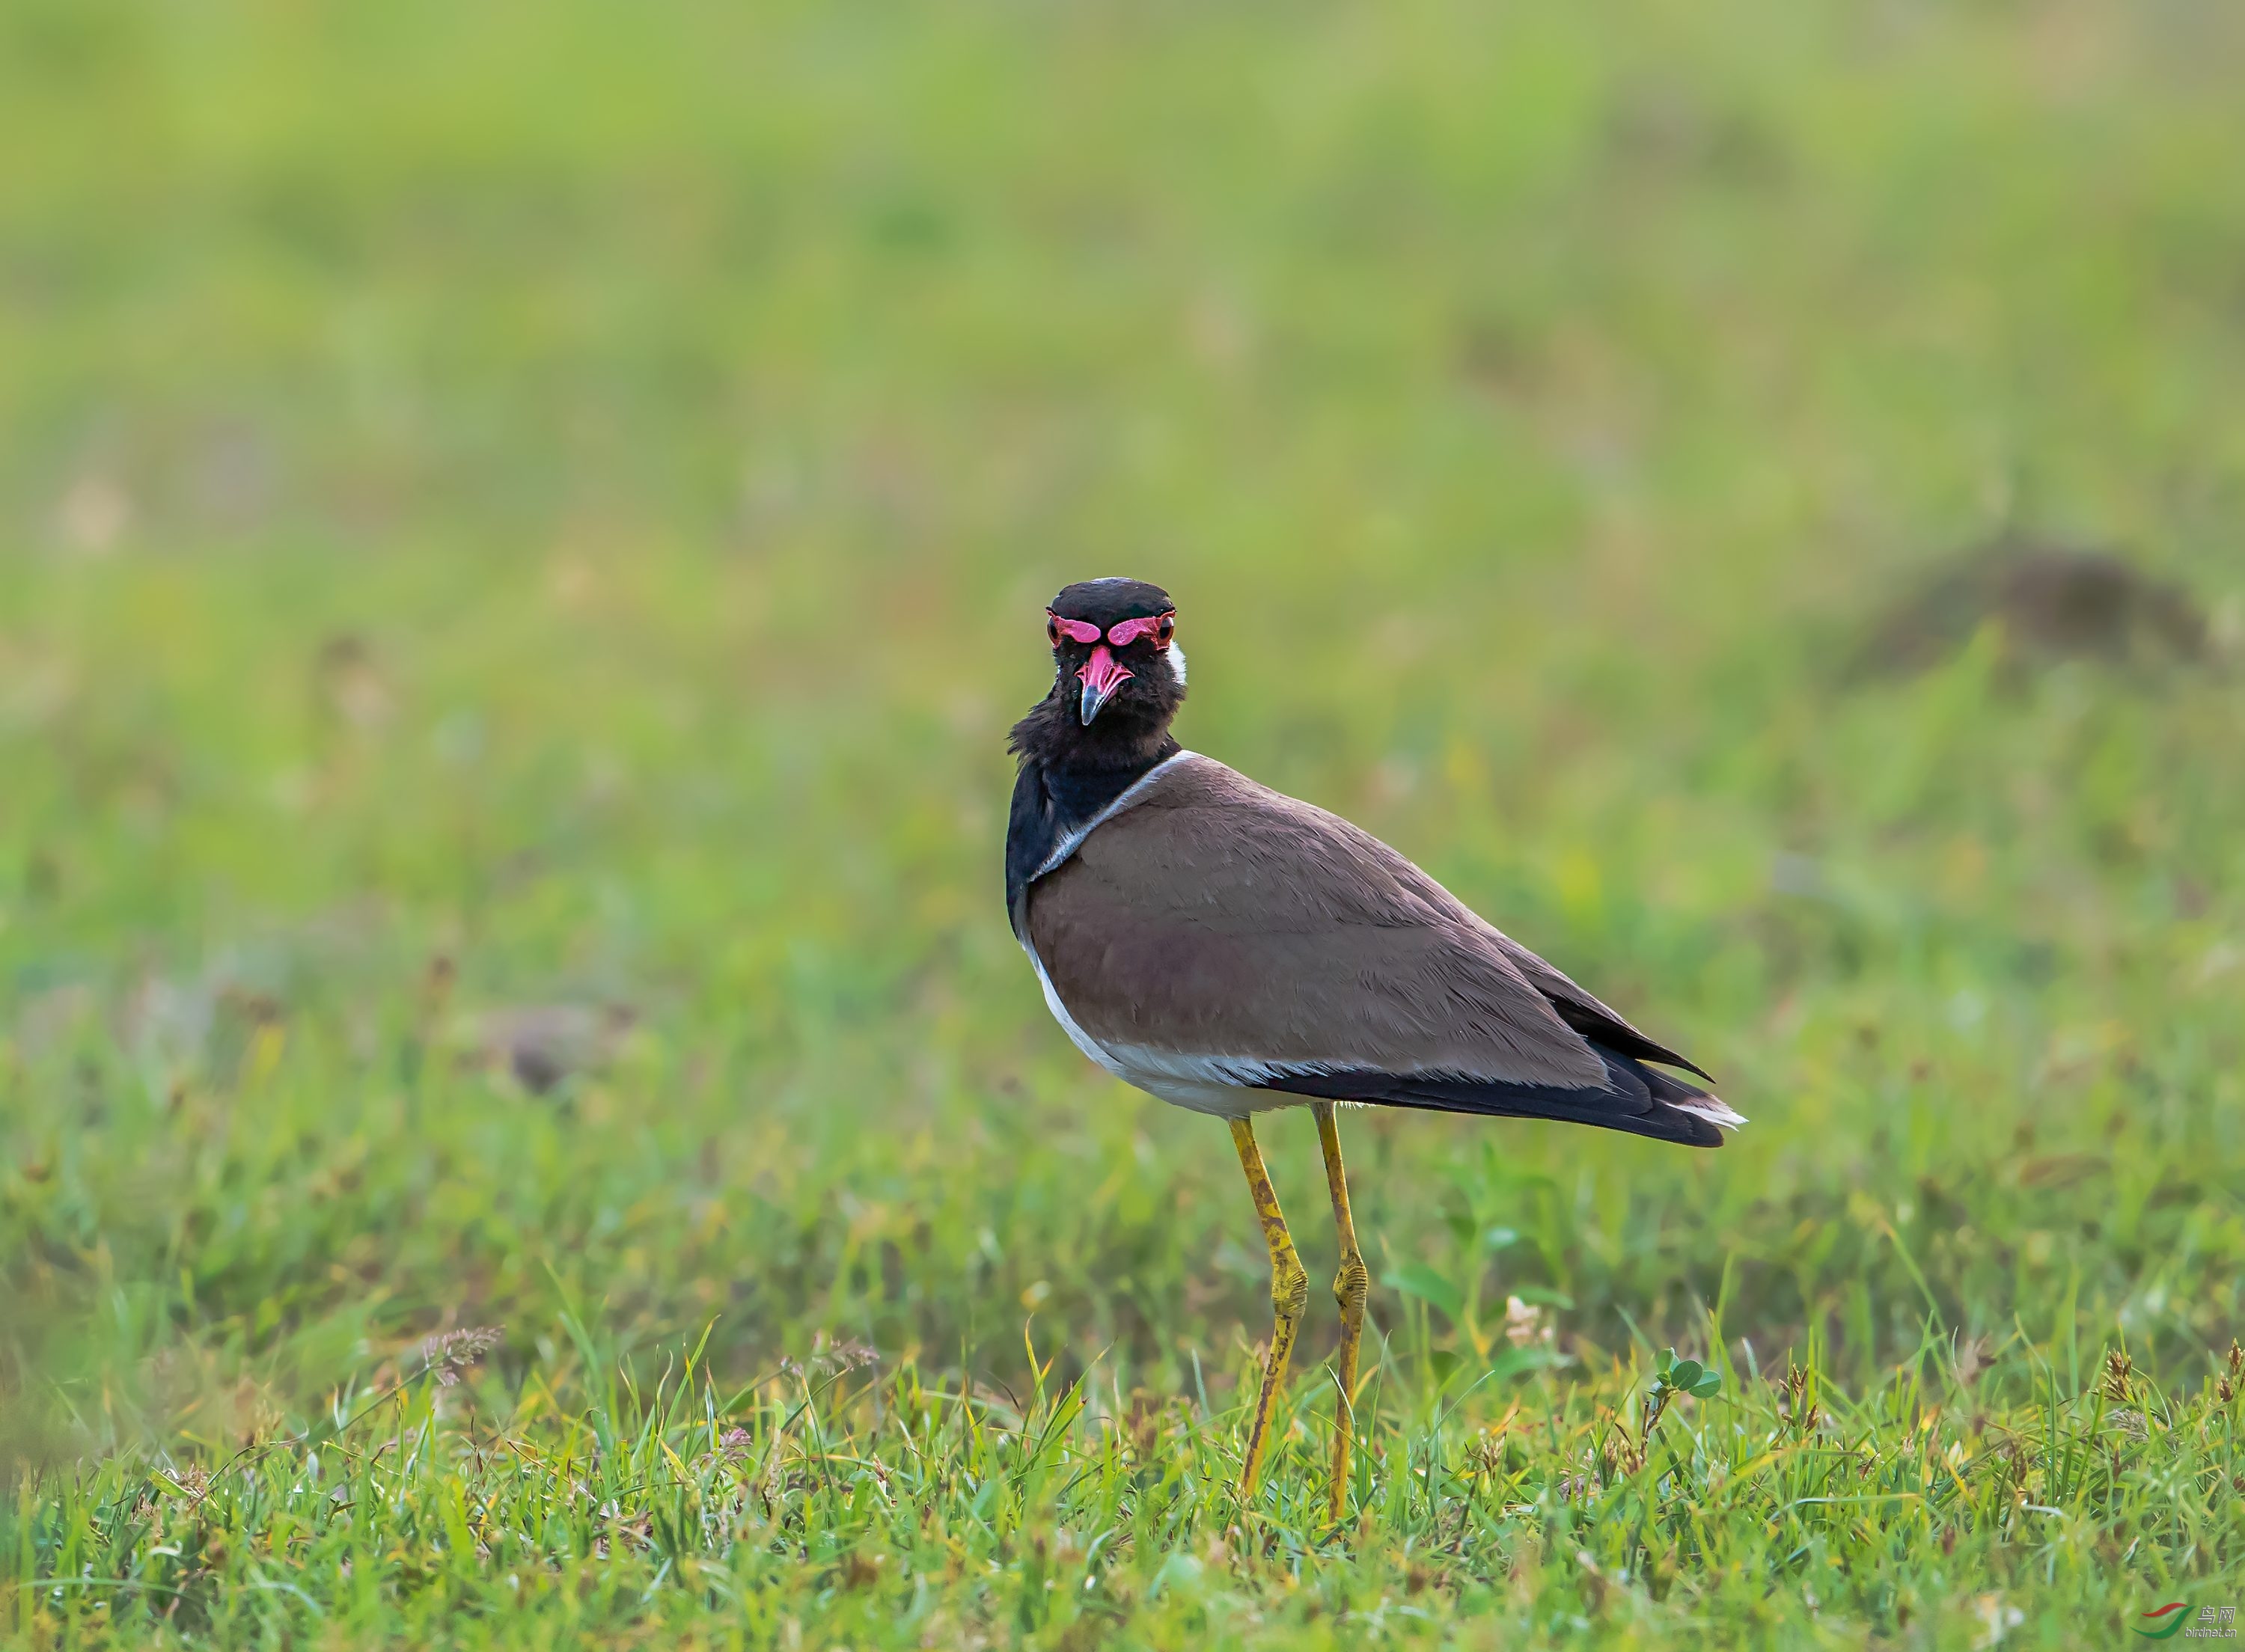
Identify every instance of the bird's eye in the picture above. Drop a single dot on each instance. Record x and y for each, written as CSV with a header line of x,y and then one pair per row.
x,y
1052,631
1164,630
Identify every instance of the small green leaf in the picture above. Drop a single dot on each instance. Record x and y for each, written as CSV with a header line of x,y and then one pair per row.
x,y
1180,1570
1665,1363
1422,1281
1513,1361
1684,1372
1500,1238
1708,1386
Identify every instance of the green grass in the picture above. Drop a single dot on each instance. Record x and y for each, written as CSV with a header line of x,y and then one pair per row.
x,y
550,506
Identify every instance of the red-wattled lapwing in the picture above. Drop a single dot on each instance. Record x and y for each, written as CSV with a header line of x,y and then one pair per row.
x,y
1230,950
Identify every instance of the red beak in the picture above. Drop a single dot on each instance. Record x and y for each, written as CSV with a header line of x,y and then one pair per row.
x,y
1100,676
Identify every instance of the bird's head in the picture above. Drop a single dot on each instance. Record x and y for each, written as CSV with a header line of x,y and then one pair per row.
x,y
1115,660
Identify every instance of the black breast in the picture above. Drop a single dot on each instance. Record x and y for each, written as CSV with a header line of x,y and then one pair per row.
x,y
1049,802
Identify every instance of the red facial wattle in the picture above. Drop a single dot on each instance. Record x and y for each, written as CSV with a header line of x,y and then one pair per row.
x,y
1101,675
1130,630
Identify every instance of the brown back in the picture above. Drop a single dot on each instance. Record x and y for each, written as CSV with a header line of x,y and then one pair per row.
x,y
1215,917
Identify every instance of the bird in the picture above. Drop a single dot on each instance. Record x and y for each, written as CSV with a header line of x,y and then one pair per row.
x,y
1233,951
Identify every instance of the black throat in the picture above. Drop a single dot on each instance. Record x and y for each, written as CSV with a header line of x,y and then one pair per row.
x,y
1069,774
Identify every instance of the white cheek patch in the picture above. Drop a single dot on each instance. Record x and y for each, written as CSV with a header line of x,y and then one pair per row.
x,y
1176,656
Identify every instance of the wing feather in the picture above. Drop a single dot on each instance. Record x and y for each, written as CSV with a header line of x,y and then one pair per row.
x,y
1216,916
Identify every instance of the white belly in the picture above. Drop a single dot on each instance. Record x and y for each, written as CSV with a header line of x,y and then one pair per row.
x,y
1201,1083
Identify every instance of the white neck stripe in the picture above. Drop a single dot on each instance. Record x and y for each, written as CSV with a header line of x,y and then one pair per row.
x,y
1073,841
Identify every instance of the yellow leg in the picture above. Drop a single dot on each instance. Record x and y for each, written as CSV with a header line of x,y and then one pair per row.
x,y
1290,1294
1351,1286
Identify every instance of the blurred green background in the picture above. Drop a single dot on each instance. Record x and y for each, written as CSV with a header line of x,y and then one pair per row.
x,y
522,529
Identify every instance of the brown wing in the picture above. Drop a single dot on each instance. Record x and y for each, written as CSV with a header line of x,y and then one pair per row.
x,y
1215,917
1594,1021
